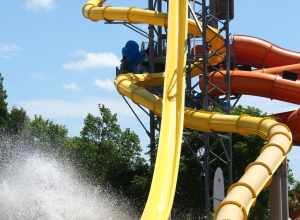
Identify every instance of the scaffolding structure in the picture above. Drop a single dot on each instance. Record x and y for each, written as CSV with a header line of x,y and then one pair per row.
x,y
157,49
215,150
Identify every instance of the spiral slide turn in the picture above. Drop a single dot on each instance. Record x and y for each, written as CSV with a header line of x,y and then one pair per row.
x,y
280,80
170,107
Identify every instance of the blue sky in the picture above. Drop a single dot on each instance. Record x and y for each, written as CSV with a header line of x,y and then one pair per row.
x,y
60,65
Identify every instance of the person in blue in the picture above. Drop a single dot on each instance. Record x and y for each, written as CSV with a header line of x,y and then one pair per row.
x,y
132,57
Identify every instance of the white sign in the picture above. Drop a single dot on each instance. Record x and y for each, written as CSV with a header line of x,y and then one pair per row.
x,y
218,192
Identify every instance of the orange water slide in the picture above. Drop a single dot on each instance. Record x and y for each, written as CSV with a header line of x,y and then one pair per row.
x,y
291,119
257,83
260,53
281,81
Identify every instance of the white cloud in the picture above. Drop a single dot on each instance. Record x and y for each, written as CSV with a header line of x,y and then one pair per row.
x,y
58,108
89,60
71,87
106,84
8,50
40,4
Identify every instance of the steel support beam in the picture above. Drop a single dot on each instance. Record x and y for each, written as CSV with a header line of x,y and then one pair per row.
x,y
279,194
212,143
284,190
276,197
155,47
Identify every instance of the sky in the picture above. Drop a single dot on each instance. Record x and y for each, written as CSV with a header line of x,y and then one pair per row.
x,y
58,64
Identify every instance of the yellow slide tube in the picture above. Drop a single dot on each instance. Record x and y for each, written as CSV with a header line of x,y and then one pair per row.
x,y
161,196
242,194
95,11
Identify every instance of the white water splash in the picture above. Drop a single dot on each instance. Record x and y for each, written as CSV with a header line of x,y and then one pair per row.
x,y
36,187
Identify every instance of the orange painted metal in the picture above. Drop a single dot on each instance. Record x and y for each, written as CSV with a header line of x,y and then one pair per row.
x,y
295,68
271,77
271,86
258,84
291,119
259,53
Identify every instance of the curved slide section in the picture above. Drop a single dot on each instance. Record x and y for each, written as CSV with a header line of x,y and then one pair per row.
x,y
259,53
96,11
277,82
242,194
291,119
284,64
293,68
257,83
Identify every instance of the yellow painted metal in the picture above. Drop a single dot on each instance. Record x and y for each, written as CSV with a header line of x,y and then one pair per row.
x,y
242,195
160,200
96,11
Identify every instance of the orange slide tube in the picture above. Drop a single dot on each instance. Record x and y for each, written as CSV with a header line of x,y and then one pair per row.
x,y
294,68
257,83
260,53
281,81
291,119
265,85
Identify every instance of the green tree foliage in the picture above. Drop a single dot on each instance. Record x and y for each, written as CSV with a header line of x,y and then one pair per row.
x,y
294,198
3,104
47,133
111,156
14,121
17,121
189,191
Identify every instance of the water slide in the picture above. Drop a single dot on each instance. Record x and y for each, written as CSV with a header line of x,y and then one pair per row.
x,y
272,59
279,81
260,53
170,107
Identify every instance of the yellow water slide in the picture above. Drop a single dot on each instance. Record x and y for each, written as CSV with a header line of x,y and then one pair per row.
x,y
170,107
164,179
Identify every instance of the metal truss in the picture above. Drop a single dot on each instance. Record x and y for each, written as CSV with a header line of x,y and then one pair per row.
x,y
215,149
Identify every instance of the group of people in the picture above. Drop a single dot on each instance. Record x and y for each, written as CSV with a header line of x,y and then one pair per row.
x,y
134,60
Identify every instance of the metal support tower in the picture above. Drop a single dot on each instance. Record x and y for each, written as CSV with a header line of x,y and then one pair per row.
x,y
156,48
279,194
156,40
216,148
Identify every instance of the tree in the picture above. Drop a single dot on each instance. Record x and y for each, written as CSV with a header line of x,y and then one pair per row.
x,y
11,122
294,200
3,104
17,121
48,133
111,156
